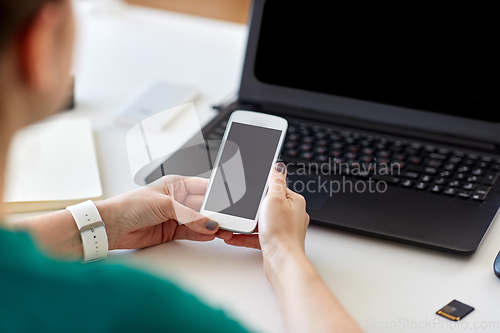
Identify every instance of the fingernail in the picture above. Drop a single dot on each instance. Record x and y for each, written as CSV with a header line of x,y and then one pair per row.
x,y
211,225
280,167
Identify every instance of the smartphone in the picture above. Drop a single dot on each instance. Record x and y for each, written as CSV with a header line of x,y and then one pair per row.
x,y
238,183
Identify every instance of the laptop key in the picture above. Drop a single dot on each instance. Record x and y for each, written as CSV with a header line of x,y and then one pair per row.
x,y
322,158
449,167
335,153
411,175
434,163
450,191
472,156
477,172
407,183
484,165
421,169
445,174
481,193
464,194
436,156
306,147
414,160
307,155
454,183
490,178
321,150
469,186
440,181
426,179
384,153
388,179
308,139
322,143
338,145
416,146
366,158
421,186
430,149
474,179
320,135
436,189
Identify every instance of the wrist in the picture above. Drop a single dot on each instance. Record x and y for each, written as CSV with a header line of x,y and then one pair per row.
x,y
107,211
279,254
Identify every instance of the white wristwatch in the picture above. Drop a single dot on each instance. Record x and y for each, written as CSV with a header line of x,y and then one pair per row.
x,y
92,230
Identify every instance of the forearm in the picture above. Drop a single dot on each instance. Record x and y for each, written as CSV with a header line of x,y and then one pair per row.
x,y
57,233
305,301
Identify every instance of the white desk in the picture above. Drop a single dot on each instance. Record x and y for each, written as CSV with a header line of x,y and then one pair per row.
x,y
386,286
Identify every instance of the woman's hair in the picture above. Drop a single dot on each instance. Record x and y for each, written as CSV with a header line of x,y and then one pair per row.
x,y
15,16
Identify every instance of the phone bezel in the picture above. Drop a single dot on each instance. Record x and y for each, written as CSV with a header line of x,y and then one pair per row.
x,y
235,223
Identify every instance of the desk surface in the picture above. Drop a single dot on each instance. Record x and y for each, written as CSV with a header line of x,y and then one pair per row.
x,y
386,286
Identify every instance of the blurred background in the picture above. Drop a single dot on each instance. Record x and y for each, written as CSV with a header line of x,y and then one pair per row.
x,y
229,10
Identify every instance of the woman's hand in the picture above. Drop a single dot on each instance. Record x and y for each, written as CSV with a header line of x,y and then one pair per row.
x,y
306,302
283,221
149,216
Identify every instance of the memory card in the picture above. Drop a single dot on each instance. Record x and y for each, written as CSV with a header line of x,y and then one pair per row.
x,y
455,310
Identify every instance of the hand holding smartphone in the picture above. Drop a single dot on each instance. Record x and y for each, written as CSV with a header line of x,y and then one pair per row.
x,y
239,180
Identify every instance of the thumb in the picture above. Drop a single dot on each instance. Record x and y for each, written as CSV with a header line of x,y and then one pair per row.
x,y
277,181
194,220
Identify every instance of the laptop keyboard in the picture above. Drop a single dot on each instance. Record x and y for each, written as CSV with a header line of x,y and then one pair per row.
x,y
421,167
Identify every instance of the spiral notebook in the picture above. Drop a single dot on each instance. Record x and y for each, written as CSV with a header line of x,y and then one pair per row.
x,y
52,165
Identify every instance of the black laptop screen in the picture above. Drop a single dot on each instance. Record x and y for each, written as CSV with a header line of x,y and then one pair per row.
x,y
414,55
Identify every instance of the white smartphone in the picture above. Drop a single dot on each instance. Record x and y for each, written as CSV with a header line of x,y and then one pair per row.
x,y
238,183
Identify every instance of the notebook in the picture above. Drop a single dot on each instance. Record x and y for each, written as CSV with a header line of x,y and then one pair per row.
x,y
51,165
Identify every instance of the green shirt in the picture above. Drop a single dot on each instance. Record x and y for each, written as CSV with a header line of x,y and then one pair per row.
x,y
38,294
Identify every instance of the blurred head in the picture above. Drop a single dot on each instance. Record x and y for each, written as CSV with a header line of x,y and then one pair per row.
x,y
36,41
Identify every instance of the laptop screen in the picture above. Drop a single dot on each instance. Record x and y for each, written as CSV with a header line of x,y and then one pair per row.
x,y
419,56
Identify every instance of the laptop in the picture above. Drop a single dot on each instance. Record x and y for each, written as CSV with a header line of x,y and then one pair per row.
x,y
407,86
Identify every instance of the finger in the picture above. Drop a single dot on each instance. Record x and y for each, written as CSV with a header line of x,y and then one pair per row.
x,y
196,185
194,202
296,197
250,241
193,220
183,232
277,181
224,234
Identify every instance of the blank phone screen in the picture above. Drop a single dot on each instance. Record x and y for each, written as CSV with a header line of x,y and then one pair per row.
x,y
242,171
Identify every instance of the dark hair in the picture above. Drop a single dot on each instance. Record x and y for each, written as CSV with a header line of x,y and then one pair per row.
x,y
15,15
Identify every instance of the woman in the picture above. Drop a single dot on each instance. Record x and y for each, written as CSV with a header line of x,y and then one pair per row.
x,y
42,294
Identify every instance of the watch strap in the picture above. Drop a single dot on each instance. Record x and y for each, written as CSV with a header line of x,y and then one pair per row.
x,y
92,230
